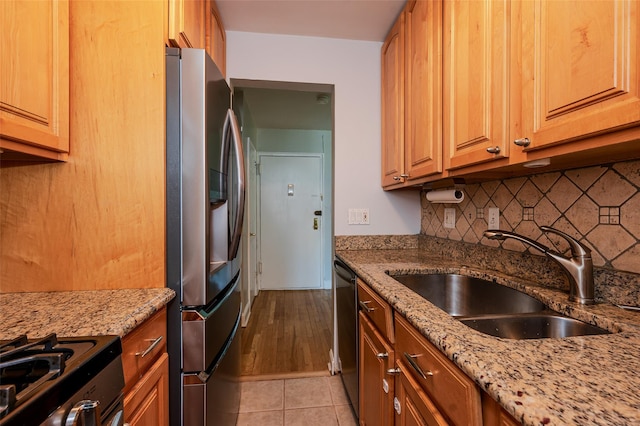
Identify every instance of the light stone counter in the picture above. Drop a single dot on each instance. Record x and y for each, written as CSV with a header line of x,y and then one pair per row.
x,y
79,313
590,380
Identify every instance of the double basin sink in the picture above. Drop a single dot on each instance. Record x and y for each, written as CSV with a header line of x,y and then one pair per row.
x,y
494,309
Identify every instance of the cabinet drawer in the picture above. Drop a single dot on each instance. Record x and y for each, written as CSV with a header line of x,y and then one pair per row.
x,y
454,393
143,346
376,309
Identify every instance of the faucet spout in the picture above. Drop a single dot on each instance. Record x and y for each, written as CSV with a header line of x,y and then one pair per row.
x,y
578,267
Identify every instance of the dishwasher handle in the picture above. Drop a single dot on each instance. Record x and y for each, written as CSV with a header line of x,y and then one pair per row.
x,y
343,271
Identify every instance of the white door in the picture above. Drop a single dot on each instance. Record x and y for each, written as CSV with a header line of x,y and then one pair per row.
x,y
290,243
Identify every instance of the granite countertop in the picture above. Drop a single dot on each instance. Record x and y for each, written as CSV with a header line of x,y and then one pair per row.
x,y
579,380
79,313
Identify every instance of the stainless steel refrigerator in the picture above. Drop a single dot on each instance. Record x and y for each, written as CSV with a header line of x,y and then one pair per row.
x,y
205,207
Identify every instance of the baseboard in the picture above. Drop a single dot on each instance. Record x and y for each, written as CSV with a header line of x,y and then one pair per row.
x,y
281,376
246,313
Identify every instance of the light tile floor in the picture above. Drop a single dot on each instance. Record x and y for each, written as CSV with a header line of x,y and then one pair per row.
x,y
307,401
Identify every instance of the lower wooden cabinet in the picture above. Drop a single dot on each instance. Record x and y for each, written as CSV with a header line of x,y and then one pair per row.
x,y
146,373
376,385
412,405
405,380
147,404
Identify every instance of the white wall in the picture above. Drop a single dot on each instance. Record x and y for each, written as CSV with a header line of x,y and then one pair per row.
x,y
353,67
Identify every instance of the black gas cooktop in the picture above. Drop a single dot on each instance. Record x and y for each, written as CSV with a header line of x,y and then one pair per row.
x,y
41,376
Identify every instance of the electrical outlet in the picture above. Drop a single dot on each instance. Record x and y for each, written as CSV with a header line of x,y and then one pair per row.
x,y
365,216
449,218
493,221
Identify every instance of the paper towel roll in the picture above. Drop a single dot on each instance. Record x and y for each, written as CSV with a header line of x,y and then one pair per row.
x,y
445,196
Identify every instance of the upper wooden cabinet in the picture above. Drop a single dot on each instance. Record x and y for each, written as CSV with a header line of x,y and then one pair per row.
x,y
476,81
197,24
216,38
579,69
393,105
423,92
34,87
187,23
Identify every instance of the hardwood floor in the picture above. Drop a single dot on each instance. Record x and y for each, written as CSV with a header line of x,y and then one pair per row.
x,y
288,334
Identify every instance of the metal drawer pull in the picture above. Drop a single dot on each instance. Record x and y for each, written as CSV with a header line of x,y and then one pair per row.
x,y
493,150
523,142
151,347
365,307
393,371
414,364
382,355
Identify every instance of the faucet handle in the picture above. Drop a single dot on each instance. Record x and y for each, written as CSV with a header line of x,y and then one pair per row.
x,y
577,248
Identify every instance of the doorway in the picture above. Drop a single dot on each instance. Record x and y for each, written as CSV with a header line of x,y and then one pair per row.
x,y
288,325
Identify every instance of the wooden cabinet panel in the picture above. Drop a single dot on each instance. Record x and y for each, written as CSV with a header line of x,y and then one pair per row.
x,y
216,36
187,23
392,92
455,393
476,81
580,69
34,88
143,346
376,310
376,387
147,403
423,89
415,407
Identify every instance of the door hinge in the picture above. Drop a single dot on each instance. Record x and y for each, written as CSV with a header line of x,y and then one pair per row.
x,y
258,169
259,267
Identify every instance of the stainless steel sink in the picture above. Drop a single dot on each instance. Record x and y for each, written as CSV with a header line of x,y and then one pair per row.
x,y
494,309
532,326
462,296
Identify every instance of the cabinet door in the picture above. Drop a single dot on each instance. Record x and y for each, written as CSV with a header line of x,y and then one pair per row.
x,y
216,36
392,88
34,87
187,23
580,69
423,94
413,406
376,387
476,81
147,404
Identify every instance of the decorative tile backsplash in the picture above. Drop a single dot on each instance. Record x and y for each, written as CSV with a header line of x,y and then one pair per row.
x,y
598,205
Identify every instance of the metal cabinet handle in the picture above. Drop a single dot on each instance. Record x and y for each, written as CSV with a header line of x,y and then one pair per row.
x,y
151,347
523,142
414,364
404,176
493,150
382,355
397,178
364,306
393,371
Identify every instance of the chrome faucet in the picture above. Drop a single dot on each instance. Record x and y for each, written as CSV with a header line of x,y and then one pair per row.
x,y
578,267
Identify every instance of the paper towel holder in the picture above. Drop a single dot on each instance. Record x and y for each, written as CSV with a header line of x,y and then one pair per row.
x,y
445,196
449,190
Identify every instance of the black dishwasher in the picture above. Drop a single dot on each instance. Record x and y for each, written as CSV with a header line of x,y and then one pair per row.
x,y
347,318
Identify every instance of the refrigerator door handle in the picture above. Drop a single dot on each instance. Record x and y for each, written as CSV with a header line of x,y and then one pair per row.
x,y
237,144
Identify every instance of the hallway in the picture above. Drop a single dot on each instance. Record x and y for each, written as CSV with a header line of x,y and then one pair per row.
x,y
288,335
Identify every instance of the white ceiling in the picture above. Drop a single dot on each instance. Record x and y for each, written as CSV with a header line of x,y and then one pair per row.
x,y
347,19
296,107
